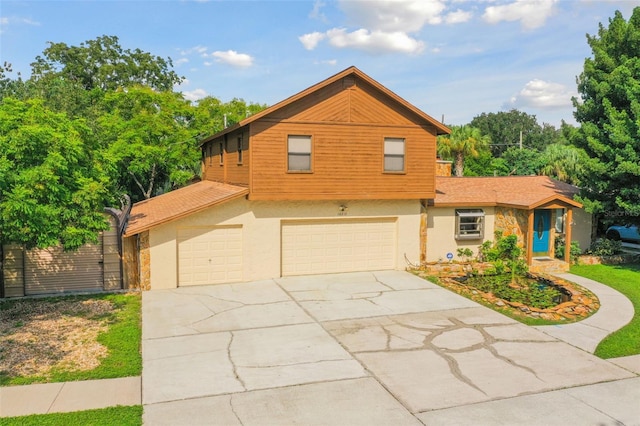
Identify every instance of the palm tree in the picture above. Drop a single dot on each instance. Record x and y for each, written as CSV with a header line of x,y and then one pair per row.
x,y
563,162
463,141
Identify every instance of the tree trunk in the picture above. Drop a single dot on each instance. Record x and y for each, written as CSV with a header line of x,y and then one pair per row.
x,y
459,164
146,193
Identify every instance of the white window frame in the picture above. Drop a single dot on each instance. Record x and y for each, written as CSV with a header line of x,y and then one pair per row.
x,y
469,224
299,147
394,150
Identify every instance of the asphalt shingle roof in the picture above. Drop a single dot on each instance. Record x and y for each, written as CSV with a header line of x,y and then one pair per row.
x,y
517,191
179,203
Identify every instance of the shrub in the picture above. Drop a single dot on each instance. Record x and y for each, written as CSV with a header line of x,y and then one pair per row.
x,y
465,253
605,247
504,251
560,245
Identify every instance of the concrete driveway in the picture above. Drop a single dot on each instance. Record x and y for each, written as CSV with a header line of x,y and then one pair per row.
x,y
361,348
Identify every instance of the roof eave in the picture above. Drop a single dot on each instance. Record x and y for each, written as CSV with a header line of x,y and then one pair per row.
x,y
185,213
441,129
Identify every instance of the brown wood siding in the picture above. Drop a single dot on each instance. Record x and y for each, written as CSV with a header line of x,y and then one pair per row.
x,y
237,173
348,121
371,106
347,162
329,104
231,171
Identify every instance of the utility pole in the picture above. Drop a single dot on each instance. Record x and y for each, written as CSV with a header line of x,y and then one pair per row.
x,y
520,139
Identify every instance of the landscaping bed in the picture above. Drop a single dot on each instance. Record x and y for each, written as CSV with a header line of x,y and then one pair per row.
x,y
69,338
580,302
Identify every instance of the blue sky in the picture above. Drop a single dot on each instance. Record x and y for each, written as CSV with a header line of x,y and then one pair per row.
x,y
455,58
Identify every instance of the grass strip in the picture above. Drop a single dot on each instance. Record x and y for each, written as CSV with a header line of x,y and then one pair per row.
x,y
120,415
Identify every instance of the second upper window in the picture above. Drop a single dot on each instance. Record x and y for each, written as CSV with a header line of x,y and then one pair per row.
x,y
394,155
299,153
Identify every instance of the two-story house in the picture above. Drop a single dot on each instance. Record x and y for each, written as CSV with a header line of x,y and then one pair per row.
x,y
340,177
333,179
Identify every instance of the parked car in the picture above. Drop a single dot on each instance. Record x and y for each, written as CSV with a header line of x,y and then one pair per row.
x,y
624,233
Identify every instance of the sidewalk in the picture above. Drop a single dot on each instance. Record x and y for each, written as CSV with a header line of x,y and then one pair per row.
x,y
69,396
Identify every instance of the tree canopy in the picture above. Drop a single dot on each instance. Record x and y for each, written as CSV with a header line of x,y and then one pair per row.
x,y
609,113
103,64
52,190
464,141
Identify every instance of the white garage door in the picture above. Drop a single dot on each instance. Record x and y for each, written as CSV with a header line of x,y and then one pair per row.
x,y
319,247
210,255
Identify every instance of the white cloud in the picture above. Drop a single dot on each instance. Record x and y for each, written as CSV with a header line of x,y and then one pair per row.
x,y
542,94
195,49
311,40
374,41
180,61
531,13
194,95
316,11
458,17
233,58
394,15
6,21
327,62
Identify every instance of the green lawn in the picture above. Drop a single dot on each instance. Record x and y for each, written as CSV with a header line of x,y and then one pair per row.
x,y
121,416
122,340
625,279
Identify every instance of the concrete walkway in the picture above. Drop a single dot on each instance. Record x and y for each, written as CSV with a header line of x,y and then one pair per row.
x,y
363,348
615,312
69,396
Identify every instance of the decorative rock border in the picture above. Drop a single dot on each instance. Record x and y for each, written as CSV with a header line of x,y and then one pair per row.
x,y
582,304
617,259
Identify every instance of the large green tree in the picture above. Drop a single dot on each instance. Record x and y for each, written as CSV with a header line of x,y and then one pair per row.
x,y
52,189
103,64
150,139
609,113
464,141
505,129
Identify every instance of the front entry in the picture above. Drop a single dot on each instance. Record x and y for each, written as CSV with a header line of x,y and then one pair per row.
x,y
541,223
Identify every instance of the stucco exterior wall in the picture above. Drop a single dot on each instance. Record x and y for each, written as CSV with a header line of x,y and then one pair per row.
x,y
581,228
261,230
441,222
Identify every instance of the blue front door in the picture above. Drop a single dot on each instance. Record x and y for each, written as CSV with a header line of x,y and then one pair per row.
x,y
541,223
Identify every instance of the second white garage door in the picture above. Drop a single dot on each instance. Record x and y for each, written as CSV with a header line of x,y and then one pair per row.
x,y
211,255
329,246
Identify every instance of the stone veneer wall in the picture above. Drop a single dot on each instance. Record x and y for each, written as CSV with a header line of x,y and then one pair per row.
x,y
512,221
145,261
443,168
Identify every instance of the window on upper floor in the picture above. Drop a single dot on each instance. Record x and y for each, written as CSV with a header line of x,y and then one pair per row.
x,y
469,224
299,153
240,149
394,155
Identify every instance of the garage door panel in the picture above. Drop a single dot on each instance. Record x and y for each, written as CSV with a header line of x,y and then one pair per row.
x,y
314,247
209,255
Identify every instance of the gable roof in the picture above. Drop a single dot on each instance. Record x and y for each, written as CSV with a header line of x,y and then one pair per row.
x,y
179,203
441,129
526,192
